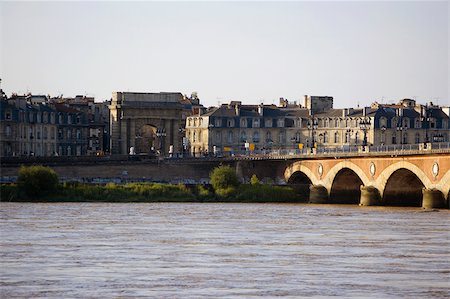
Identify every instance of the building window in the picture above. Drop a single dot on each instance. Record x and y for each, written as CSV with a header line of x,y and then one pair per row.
x,y
52,118
218,122
45,133
356,138
8,115
243,136
417,139
325,137
256,136
69,134
394,139
60,118
69,119
268,123
405,122
218,137
8,131
269,137
256,123
230,123
189,122
336,137
280,123
78,134
417,123
194,136
336,123
230,137
405,138
39,120
243,122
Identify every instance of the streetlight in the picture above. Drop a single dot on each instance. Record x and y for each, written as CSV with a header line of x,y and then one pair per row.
x,y
364,124
161,134
182,131
401,127
312,125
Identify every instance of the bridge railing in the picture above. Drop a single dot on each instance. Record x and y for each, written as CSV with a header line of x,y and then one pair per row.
x,y
395,149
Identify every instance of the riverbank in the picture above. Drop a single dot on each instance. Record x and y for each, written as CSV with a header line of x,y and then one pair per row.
x,y
152,192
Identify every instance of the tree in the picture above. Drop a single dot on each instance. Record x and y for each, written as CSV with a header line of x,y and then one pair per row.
x,y
37,180
224,180
254,180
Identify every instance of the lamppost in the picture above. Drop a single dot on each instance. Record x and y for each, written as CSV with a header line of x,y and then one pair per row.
x,y
401,127
383,136
426,119
312,125
182,131
364,125
161,134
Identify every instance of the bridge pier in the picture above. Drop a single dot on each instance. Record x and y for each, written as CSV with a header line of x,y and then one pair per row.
x,y
370,196
318,194
432,199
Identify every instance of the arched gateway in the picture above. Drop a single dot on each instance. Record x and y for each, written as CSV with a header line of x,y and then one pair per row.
x,y
148,121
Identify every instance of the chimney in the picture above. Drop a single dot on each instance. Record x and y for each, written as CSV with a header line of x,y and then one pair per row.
x,y
261,109
237,109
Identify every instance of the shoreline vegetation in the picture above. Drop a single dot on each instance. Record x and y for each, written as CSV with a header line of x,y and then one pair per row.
x,y
40,184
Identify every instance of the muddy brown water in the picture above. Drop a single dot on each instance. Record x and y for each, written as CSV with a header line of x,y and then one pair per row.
x,y
193,250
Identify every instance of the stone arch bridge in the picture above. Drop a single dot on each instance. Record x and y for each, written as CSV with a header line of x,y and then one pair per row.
x,y
397,178
413,180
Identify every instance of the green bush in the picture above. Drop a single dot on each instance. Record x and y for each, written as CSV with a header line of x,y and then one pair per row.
x,y
37,180
224,180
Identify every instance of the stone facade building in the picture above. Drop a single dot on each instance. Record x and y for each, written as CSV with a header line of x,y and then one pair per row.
x,y
237,128
33,125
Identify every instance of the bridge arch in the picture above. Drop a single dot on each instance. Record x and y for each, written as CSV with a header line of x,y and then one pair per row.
x,y
297,167
300,182
403,188
331,175
387,173
345,188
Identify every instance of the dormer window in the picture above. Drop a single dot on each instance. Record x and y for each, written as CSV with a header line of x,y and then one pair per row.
x,y
280,123
230,123
8,115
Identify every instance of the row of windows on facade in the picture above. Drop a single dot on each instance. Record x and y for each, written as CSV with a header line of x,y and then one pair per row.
x,y
302,122
45,117
36,133
321,137
49,150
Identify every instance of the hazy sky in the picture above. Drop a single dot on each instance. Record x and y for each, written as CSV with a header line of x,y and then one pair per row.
x,y
357,52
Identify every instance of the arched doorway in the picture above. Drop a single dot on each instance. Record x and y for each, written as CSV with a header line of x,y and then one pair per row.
x,y
300,182
346,187
146,142
403,188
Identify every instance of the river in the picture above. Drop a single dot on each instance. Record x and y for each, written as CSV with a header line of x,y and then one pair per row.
x,y
194,250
